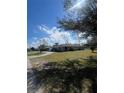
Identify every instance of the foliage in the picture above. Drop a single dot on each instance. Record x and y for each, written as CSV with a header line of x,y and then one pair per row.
x,y
83,20
43,47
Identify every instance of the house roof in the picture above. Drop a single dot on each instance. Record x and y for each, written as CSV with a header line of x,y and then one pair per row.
x,y
66,45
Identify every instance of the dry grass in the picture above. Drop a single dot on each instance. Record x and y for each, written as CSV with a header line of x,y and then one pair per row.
x,y
33,53
62,56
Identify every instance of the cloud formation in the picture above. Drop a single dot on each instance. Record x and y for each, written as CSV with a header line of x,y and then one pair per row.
x,y
54,35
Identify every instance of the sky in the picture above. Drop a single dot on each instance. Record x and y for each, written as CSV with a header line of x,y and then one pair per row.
x,y
42,18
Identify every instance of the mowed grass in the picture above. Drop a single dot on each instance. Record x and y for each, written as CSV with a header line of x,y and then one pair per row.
x,y
33,53
62,56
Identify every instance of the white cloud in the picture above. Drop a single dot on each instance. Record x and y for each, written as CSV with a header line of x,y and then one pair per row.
x,y
46,29
55,35
35,44
35,38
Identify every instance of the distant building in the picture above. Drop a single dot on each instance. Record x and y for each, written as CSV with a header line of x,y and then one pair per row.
x,y
65,47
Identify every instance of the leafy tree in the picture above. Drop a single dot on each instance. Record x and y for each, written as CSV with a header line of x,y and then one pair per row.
x,y
56,43
83,20
43,46
44,42
32,49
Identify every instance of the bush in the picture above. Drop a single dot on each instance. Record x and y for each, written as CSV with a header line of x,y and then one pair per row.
x,y
71,49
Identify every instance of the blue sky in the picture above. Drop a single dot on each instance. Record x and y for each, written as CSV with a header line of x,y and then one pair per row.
x,y
42,22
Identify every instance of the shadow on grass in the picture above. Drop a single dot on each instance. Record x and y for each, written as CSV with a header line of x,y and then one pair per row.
x,y
70,76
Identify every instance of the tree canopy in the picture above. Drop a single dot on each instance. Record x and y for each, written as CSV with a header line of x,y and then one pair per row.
x,y
83,20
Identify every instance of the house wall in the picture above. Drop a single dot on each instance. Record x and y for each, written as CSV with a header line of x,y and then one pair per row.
x,y
65,48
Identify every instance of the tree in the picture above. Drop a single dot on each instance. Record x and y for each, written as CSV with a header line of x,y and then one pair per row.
x,y
32,49
83,20
44,42
56,44
43,46
92,43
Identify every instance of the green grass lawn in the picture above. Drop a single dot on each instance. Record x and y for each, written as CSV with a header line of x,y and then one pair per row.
x,y
33,53
62,56
56,68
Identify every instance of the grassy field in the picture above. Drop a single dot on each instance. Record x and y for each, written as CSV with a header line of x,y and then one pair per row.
x,y
57,68
32,53
62,56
